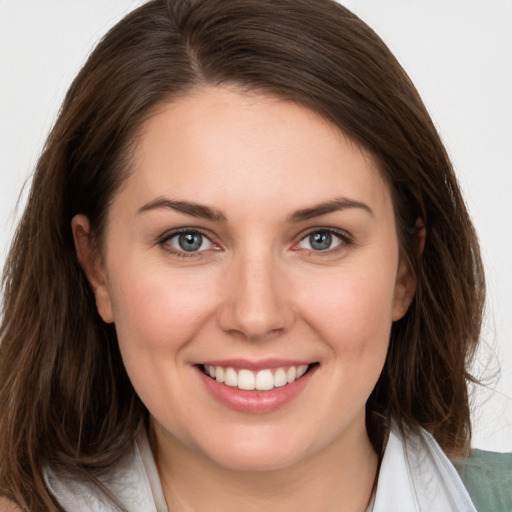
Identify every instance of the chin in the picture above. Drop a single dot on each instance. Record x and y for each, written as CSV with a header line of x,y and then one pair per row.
x,y
264,453
256,461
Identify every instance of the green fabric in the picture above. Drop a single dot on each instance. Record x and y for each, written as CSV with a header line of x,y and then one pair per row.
x,y
488,479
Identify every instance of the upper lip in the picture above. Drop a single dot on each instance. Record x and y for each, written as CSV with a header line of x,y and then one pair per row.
x,y
255,365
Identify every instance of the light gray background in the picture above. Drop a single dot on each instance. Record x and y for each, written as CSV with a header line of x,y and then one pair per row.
x,y
457,52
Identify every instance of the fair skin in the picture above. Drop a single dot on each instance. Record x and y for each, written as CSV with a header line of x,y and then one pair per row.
x,y
8,506
287,256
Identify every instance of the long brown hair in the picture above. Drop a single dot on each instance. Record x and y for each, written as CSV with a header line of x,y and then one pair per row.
x,y
65,398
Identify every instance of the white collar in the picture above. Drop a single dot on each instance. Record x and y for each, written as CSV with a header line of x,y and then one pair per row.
x,y
415,475
134,483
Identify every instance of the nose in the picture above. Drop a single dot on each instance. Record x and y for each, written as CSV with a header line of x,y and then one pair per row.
x,y
256,304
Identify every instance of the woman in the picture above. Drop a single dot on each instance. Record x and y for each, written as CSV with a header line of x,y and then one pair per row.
x,y
245,276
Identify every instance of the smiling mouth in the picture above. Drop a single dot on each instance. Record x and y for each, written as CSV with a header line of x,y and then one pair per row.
x,y
262,380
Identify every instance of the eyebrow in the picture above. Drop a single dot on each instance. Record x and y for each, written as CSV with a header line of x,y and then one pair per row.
x,y
214,215
187,207
340,203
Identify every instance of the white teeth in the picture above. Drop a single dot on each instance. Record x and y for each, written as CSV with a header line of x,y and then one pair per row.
x,y
301,370
280,378
230,378
264,380
245,380
291,374
219,374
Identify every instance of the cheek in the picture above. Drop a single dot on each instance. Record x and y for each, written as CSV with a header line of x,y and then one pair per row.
x,y
352,308
350,311
157,315
157,309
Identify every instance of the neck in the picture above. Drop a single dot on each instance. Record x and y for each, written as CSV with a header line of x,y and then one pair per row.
x,y
340,477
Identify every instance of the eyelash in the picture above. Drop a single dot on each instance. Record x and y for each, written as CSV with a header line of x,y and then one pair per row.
x,y
345,238
345,242
164,242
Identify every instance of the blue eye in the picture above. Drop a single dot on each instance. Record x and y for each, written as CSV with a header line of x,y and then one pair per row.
x,y
320,240
189,241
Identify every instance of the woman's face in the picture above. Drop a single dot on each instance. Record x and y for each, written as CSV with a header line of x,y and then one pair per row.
x,y
252,241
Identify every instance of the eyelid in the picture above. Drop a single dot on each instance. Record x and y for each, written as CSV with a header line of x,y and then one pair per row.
x,y
163,241
345,237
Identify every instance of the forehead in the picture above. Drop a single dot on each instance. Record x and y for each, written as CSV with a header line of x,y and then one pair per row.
x,y
219,144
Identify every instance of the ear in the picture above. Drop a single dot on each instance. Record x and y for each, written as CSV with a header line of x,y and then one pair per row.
x,y
92,265
405,284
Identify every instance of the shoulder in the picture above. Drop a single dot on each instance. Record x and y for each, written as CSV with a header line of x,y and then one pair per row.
x,y
8,506
487,477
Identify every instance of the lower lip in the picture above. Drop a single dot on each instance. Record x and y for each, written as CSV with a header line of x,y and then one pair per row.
x,y
257,402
